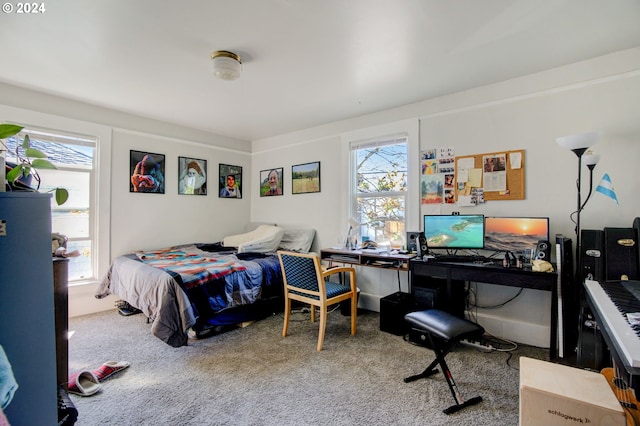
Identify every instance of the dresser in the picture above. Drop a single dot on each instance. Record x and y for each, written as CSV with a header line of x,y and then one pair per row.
x,y
27,321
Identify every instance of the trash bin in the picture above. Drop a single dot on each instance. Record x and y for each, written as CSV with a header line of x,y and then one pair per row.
x,y
345,305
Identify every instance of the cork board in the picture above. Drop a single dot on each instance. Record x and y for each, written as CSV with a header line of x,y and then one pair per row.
x,y
499,174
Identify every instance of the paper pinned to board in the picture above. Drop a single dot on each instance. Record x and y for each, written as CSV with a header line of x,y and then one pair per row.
x,y
475,178
515,160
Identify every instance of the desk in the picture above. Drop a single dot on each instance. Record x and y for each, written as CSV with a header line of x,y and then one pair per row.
x,y
371,258
367,258
492,274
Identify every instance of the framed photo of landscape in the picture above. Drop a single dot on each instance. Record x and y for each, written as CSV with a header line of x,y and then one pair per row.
x,y
305,178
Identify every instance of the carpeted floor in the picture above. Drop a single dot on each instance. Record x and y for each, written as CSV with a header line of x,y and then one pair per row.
x,y
253,376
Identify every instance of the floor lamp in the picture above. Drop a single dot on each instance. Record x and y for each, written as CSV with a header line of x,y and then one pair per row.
x,y
579,144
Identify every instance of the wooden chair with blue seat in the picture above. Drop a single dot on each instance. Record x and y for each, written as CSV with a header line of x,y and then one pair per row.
x,y
444,331
307,282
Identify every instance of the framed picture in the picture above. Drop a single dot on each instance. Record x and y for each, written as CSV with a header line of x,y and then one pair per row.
x,y
271,182
146,172
192,176
305,178
230,181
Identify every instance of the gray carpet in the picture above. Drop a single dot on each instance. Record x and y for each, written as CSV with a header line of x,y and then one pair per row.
x,y
253,376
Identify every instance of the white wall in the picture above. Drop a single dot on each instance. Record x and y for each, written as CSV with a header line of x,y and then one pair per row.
x,y
140,221
527,113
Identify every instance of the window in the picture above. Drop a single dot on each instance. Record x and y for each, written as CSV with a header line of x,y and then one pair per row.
x,y
379,172
74,157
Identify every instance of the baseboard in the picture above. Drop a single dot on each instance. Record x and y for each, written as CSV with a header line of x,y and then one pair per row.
x,y
82,300
518,331
370,302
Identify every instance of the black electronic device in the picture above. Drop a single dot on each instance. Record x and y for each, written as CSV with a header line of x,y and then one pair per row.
x,y
514,234
413,242
393,308
568,296
423,248
454,231
543,251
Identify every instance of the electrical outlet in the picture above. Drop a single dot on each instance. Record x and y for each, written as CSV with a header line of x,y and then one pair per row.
x,y
3,228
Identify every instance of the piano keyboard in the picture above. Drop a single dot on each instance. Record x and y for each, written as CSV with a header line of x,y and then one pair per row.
x,y
613,314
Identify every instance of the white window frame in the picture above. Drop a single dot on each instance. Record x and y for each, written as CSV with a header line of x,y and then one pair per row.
x,y
101,176
407,128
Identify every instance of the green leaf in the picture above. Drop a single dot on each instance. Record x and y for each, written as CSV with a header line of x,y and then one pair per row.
x,y
14,173
40,163
62,195
34,153
26,142
7,130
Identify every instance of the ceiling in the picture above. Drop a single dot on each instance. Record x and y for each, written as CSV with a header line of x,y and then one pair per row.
x,y
305,62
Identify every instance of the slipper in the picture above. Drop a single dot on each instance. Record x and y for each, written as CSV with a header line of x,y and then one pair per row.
x,y
84,383
109,368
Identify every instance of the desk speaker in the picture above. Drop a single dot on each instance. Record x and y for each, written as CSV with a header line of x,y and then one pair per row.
x,y
543,251
423,247
413,242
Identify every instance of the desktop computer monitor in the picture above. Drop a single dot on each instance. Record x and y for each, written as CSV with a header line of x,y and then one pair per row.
x,y
454,231
515,233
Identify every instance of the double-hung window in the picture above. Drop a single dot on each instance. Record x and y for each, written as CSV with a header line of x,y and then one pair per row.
x,y
379,174
74,156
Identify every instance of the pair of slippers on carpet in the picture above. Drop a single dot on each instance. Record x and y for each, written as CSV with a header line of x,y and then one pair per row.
x,y
87,382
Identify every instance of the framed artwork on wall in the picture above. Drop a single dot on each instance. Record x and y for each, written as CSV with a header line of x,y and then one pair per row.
x,y
146,172
305,178
271,182
192,176
230,181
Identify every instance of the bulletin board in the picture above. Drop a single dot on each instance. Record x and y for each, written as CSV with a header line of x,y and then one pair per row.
x,y
513,166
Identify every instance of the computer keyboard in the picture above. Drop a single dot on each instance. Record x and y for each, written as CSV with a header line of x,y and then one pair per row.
x,y
461,258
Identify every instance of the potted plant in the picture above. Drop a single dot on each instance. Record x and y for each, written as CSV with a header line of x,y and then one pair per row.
x,y
29,161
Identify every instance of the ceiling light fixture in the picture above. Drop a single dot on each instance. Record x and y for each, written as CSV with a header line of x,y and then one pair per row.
x,y
226,65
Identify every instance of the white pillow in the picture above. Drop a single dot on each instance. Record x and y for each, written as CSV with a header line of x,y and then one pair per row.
x,y
265,238
298,240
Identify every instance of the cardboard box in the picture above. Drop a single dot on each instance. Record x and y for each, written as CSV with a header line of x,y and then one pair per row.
x,y
555,394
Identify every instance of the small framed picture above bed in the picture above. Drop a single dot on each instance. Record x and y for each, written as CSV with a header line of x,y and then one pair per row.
x,y
271,182
192,176
146,172
305,178
230,181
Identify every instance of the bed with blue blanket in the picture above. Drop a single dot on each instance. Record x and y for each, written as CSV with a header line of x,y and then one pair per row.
x,y
184,287
200,287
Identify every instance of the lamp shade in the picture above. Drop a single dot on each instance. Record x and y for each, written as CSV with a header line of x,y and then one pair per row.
x,y
590,158
580,141
226,65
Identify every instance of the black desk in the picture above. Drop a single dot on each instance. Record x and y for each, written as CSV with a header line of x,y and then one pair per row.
x,y
492,274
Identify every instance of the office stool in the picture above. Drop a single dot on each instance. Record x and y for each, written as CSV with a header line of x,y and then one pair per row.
x,y
444,331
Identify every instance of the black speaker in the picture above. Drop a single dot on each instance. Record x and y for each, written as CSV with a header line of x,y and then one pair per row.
x,y
621,245
423,248
393,308
543,251
591,255
413,242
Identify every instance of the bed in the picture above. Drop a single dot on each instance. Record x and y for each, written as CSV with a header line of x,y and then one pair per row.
x,y
198,287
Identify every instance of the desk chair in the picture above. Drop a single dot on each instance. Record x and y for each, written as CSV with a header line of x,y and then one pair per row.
x,y
444,332
305,281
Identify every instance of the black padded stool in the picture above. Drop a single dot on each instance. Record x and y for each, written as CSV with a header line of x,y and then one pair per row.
x,y
444,331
